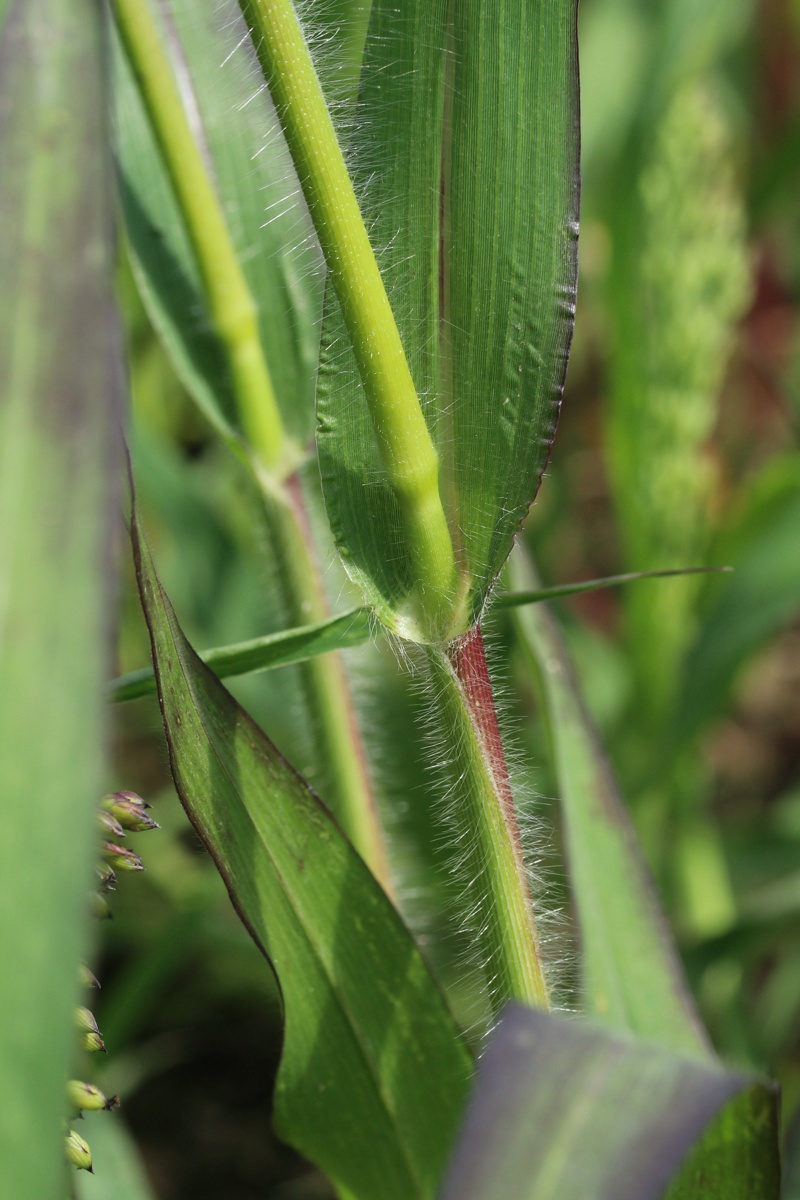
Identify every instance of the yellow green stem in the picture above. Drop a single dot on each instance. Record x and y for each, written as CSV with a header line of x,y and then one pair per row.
x,y
234,315
409,456
232,309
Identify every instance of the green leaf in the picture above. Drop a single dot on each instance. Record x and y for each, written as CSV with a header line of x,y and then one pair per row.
x,y
119,1173
632,979
518,599
567,1111
465,161
255,181
761,596
374,1072
631,976
351,628
60,379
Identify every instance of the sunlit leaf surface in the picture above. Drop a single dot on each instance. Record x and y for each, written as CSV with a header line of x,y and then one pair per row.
x,y
465,159
374,1073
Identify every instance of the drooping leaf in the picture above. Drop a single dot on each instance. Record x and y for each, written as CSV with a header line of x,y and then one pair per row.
x,y
563,1110
465,162
59,378
234,121
374,1072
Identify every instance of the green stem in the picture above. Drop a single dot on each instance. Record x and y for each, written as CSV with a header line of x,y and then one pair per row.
x,y
409,456
234,315
328,694
232,309
508,940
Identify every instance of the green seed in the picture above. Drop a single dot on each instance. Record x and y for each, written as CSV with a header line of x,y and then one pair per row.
x,y
93,1042
77,1151
91,1037
132,816
109,802
109,825
87,1097
121,859
86,978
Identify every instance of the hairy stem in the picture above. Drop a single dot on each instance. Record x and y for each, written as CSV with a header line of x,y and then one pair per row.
x,y
234,315
508,941
409,456
232,308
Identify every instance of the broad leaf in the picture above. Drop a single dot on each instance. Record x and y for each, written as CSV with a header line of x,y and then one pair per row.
x,y
59,379
236,125
465,160
374,1072
567,1111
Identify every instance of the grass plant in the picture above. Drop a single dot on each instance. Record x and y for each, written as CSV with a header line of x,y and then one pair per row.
x,y
353,230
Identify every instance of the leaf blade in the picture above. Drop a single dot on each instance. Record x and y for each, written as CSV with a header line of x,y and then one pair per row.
x,y
364,1020
58,433
632,978
351,628
570,1110
422,136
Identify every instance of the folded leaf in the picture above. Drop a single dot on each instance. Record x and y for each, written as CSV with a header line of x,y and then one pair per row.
x,y
567,1111
59,380
374,1072
466,164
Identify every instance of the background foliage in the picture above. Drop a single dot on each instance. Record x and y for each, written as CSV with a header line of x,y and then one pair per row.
x,y
689,261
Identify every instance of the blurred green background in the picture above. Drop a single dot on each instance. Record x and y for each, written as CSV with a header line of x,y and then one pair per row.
x,y
678,446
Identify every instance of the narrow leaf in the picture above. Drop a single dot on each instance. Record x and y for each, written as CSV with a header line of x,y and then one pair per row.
x,y
481,278
351,628
59,379
631,976
761,597
374,1072
518,599
567,1111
